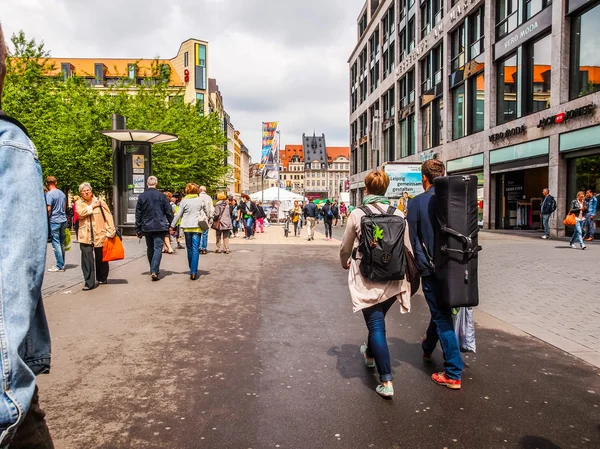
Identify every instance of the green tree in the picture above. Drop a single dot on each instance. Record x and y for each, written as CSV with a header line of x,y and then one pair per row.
x,y
64,119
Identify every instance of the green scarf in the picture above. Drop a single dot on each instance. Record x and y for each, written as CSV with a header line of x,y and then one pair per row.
x,y
371,199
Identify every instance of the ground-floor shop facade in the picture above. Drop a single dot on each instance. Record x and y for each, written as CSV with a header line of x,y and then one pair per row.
x,y
547,152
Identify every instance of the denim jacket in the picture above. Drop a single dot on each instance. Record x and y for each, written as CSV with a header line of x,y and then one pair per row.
x,y
592,205
24,335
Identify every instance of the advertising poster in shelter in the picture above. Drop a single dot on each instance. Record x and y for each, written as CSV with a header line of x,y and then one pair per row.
x,y
269,162
403,178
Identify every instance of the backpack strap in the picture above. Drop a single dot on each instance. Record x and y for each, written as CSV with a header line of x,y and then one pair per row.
x,y
366,210
391,210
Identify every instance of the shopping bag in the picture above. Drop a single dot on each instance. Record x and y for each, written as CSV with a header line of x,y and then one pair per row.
x,y
113,250
464,328
67,240
570,220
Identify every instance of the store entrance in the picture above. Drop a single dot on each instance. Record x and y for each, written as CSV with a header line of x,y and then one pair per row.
x,y
519,198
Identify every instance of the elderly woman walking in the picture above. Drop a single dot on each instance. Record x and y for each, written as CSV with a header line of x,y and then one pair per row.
x,y
374,298
222,223
96,224
188,212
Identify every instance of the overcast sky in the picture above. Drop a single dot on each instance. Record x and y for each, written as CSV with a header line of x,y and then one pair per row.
x,y
273,59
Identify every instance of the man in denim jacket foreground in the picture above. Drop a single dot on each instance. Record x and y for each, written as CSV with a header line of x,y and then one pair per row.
x,y
24,336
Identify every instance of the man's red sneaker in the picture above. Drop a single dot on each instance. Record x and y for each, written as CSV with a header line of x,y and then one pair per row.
x,y
442,379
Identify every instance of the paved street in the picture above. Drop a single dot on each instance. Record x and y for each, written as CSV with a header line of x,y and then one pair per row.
x,y
263,352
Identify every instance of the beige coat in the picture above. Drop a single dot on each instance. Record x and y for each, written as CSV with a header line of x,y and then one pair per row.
x,y
364,292
91,219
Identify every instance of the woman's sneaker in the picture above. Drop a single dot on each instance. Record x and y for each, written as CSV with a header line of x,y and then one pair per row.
x,y
573,246
369,362
583,247
386,392
442,379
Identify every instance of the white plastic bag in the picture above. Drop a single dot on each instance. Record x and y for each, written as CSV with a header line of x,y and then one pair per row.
x,y
464,328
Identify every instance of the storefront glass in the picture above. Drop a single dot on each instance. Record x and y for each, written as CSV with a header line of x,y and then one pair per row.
x,y
541,75
583,174
519,198
477,102
458,112
585,57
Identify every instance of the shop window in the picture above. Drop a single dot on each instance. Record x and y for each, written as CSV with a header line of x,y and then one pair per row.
x,y
432,124
458,112
508,96
585,57
541,76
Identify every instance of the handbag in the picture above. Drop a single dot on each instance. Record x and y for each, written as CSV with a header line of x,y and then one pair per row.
x,y
570,220
217,221
203,220
412,273
113,246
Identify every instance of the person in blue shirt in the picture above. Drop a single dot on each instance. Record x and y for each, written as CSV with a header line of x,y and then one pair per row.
x,y
423,226
25,339
590,216
56,202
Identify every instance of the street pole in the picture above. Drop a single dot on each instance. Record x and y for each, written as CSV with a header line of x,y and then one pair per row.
x,y
260,165
278,169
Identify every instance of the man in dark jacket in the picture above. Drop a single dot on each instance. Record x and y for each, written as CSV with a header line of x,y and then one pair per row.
x,y
423,226
548,208
310,214
153,214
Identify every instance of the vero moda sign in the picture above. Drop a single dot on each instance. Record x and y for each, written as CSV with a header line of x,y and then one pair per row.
x,y
563,117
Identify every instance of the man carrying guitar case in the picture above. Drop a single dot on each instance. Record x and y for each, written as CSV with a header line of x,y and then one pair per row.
x,y
424,236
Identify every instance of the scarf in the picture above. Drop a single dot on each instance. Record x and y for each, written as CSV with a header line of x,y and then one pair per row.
x,y
372,199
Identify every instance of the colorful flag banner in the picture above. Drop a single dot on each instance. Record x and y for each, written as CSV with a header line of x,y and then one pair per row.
x,y
269,162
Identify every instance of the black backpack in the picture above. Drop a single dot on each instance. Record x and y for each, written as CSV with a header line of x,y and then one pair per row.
x,y
381,245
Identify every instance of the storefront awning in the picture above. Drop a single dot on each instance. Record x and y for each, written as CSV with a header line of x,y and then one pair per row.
x,y
133,135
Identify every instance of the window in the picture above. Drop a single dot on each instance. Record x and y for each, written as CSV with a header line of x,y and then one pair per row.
x,y
374,64
585,57
407,136
532,7
363,76
362,25
354,87
411,35
458,112
508,97
200,103
506,17
389,44
389,144
389,108
457,48
200,71
402,45
186,59
432,12
541,76
476,108
67,70
131,71
99,73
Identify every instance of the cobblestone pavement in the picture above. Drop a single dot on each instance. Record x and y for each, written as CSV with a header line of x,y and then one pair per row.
x,y
544,288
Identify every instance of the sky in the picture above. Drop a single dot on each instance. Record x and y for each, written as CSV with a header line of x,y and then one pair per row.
x,y
274,60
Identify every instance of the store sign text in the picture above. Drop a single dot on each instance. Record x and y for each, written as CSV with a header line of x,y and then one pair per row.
x,y
460,9
564,116
508,133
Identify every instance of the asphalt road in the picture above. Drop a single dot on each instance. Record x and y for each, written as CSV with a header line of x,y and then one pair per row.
x,y
263,352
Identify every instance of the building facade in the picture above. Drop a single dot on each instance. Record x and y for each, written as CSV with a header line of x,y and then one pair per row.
x,y
315,170
503,89
245,170
187,72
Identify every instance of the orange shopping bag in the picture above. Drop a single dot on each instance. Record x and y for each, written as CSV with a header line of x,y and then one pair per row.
x,y
113,250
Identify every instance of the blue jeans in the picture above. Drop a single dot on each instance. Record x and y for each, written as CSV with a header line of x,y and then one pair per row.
x,y
25,339
204,240
377,347
441,328
577,233
590,223
192,245
546,224
58,243
154,245
249,226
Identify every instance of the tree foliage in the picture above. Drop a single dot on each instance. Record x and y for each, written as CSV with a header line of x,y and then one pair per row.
x,y
64,120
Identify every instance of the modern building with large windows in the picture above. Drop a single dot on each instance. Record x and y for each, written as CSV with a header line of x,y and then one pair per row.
x,y
503,89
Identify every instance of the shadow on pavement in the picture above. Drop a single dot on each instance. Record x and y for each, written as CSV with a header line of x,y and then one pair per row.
x,y
533,442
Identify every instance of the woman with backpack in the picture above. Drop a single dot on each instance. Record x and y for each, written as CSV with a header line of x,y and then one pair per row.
x,y
374,297
260,218
328,217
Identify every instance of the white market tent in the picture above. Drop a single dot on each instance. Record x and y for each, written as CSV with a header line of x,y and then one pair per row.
x,y
286,199
271,194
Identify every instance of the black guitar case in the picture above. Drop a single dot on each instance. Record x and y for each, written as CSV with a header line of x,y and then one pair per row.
x,y
456,248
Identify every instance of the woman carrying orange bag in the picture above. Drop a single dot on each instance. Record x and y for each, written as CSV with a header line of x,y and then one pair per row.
x,y
96,225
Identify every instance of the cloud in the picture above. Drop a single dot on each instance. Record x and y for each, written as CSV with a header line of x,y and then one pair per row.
x,y
273,59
